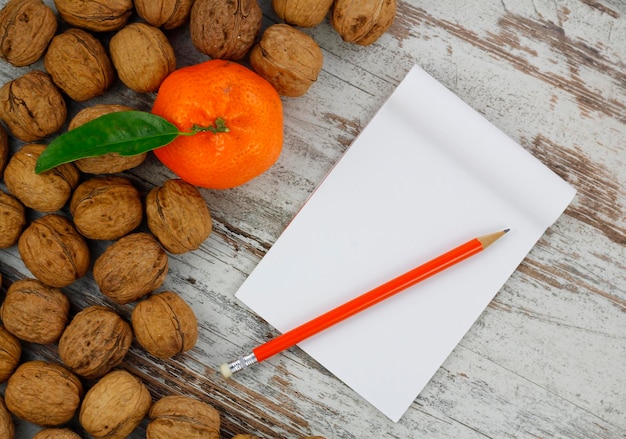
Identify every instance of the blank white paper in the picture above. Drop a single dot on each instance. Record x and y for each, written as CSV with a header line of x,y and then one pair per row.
x,y
428,173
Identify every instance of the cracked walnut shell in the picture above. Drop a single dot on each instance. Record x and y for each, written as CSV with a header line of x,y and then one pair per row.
x,y
43,393
288,59
302,13
10,353
32,106
26,28
142,73
166,14
79,65
225,30
96,340
178,416
45,192
165,325
178,216
131,267
12,219
362,22
35,312
53,251
110,163
95,15
106,208
114,406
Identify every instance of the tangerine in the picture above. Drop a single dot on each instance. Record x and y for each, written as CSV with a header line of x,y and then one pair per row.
x,y
242,117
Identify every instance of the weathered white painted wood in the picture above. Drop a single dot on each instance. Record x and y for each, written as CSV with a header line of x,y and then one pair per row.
x,y
546,358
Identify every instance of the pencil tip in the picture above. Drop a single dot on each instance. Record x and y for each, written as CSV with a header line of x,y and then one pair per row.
x,y
487,240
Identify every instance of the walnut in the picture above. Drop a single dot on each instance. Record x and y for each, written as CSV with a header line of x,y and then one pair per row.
x,y
131,267
288,59
79,65
95,15
165,325
35,312
178,216
362,22
167,14
26,28
303,13
96,340
45,192
225,30
43,393
183,417
56,433
245,436
106,207
114,406
12,219
4,149
10,353
110,163
146,72
32,106
54,251
7,427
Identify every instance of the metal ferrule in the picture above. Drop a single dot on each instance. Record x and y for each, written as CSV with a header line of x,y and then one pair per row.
x,y
242,362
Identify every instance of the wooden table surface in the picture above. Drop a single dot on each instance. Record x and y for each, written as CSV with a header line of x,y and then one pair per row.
x,y
547,358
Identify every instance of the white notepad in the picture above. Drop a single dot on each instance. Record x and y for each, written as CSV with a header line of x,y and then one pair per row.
x,y
425,175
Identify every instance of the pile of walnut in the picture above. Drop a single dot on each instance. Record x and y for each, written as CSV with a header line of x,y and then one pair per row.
x,y
90,200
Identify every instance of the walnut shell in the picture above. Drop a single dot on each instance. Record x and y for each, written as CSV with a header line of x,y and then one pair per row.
x,y
178,216
131,267
45,192
110,163
12,219
245,436
79,65
303,13
26,28
225,30
7,427
183,417
146,72
54,251
362,22
10,353
165,325
166,14
288,59
95,15
114,406
56,433
4,149
43,393
32,106
106,207
35,312
96,340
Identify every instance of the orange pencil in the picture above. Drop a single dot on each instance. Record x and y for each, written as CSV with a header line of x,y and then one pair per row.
x,y
360,303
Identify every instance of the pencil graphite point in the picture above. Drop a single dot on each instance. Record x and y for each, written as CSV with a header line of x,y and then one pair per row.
x,y
487,240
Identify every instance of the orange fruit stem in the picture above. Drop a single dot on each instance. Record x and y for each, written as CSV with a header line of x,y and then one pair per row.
x,y
219,127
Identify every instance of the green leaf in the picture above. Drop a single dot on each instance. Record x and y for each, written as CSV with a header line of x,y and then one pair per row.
x,y
126,133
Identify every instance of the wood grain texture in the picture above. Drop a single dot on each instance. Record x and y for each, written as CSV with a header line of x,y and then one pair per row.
x,y
546,358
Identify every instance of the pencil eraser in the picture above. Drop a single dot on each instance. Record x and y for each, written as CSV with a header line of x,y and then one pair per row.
x,y
226,372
